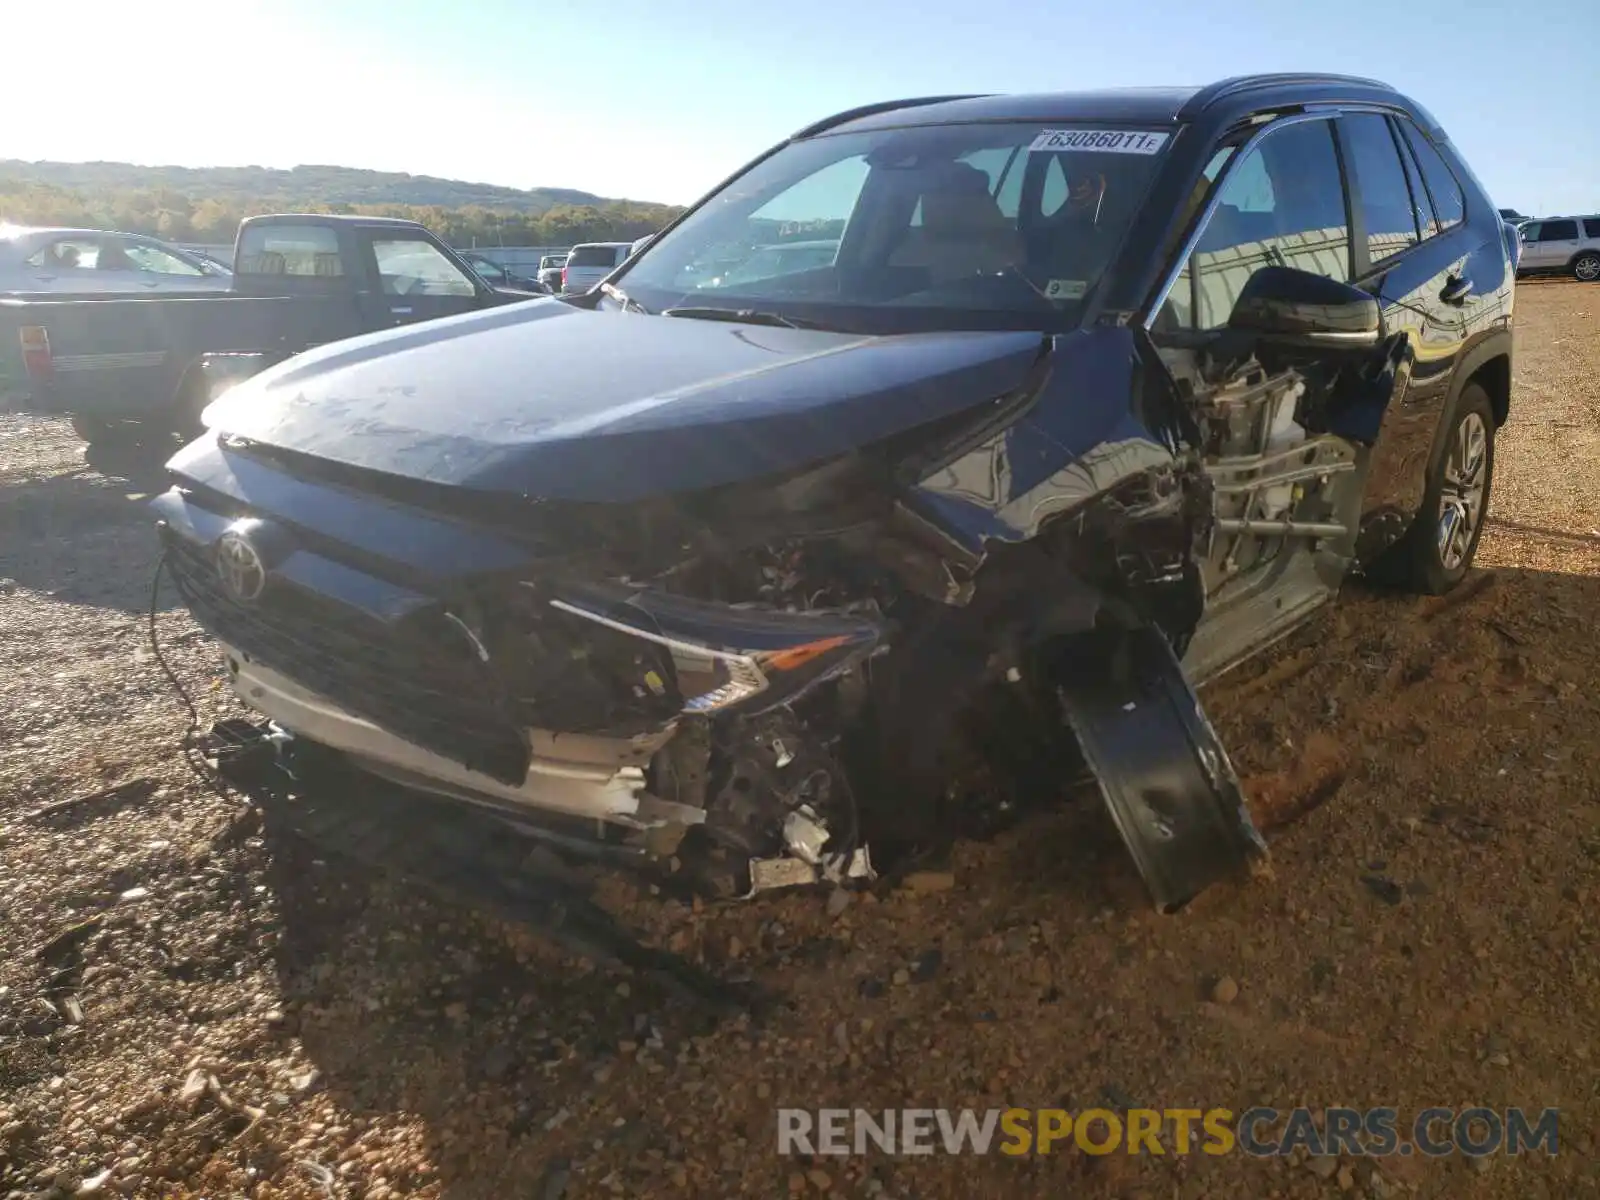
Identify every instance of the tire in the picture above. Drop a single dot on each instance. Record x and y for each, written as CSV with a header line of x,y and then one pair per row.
x,y
1586,267
1424,560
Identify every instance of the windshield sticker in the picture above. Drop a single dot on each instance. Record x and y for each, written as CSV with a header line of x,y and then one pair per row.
x,y
1066,289
1102,141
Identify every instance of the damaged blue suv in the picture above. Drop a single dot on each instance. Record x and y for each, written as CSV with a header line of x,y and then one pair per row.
x,y
1089,395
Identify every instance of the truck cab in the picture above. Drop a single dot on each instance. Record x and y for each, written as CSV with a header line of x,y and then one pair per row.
x,y
398,271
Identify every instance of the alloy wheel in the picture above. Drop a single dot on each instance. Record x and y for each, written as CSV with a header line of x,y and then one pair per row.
x,y
1461,497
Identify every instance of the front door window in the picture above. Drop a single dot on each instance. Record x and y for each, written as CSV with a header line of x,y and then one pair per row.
x,y
413,267
1282,204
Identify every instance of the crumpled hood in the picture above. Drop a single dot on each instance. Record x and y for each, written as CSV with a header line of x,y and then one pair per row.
x,y
552,401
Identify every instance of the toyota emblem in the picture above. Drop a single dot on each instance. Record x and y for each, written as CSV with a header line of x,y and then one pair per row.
x,y
240,568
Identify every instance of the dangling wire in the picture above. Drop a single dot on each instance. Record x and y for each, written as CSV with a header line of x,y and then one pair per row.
x,y
193,755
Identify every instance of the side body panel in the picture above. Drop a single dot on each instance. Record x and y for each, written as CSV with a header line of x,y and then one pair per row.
x,y
1452,296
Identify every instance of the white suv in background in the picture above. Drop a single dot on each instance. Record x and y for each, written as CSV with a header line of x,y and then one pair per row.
x,y
591,262
1561,246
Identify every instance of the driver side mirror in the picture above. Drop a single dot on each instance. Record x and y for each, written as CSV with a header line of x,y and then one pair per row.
x,y
1291,307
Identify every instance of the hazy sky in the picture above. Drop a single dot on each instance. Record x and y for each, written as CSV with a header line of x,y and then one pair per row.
x,y
659,101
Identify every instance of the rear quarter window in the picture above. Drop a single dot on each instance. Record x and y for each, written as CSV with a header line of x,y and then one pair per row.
x,y
1449,202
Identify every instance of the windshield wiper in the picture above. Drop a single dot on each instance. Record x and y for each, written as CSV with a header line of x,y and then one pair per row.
x,y
745,316
622,298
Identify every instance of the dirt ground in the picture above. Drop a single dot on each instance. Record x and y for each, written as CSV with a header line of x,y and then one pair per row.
x,y
234,1024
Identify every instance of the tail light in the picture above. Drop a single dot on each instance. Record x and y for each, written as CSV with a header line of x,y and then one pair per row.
x,y
36,352
563,279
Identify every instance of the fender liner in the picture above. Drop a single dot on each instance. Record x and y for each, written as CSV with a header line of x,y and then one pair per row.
x,y
1160,766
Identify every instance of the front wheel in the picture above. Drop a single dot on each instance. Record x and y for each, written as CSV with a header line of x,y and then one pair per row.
x,y
1438,549
1586,267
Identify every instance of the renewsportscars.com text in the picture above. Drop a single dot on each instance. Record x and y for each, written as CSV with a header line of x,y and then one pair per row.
x,y
1258,1132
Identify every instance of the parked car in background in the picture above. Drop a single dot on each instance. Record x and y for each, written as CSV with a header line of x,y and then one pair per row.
x,y
589,263
133,365
499,275
98,260
550,270
783,258
1561,246
1104,393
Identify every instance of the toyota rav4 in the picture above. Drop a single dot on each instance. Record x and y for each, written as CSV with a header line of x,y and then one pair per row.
x,y
1093,396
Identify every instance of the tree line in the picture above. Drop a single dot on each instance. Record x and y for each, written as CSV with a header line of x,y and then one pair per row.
x,y
178,216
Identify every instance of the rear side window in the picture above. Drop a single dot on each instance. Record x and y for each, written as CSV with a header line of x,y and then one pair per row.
x,y
1591,227
68,254
1558,231
157,261
1449,205
593,256
1380,180
1427,224
310,251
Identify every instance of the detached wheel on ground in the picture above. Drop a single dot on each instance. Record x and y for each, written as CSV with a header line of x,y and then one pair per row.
x,y
1438,549
1586,267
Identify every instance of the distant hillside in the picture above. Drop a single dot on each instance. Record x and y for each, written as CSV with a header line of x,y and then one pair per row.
x,y
299,185
206,204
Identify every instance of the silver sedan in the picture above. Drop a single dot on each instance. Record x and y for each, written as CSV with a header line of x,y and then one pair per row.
x,y
95,260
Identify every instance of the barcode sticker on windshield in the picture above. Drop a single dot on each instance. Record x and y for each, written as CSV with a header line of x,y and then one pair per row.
x,y
1103,141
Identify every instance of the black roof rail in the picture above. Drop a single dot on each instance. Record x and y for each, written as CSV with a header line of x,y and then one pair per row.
x,y
1224,88
870,110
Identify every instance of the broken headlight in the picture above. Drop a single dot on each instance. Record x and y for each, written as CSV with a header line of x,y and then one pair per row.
x,y
728,657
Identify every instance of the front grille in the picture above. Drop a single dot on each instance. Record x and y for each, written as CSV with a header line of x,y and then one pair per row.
x,y
427,693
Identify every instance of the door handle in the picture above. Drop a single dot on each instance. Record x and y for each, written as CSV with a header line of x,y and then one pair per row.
x,y
1456,290
401,312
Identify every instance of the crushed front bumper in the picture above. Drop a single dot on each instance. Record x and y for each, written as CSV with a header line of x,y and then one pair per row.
x,y
575,775
412,687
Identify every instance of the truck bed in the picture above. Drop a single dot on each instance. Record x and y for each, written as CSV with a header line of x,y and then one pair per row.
x,y
117,362
130,357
